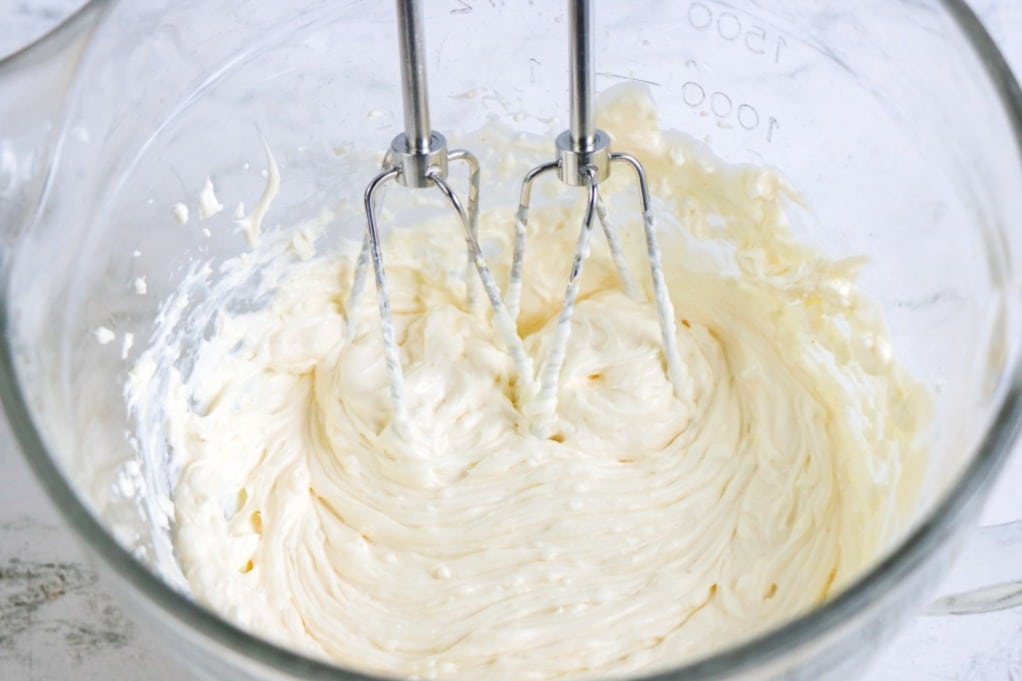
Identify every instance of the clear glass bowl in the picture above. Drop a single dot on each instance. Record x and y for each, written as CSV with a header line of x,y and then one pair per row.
x,y
898,122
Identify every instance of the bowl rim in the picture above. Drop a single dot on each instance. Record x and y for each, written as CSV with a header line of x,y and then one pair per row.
x,y
854,601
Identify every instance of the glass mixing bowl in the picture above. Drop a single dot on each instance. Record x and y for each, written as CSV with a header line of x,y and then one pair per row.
x,y
898,122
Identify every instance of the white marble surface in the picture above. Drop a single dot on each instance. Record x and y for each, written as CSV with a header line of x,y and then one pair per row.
x,y
57,622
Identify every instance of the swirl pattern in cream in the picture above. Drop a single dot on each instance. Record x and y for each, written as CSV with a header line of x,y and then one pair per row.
x,y
649,529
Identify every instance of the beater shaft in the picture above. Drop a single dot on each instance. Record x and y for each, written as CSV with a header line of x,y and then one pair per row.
x,y
582,120
419,158
584,159
414,91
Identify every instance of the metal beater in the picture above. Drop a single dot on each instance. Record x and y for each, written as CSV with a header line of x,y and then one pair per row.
x,y
419,158
584,159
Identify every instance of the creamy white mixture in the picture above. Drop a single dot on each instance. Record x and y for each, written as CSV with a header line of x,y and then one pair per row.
x,y
649,529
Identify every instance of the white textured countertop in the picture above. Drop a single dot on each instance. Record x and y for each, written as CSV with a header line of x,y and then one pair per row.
x,y
57,622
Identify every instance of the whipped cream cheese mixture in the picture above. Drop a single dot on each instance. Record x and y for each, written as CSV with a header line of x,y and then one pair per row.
x,y
648,529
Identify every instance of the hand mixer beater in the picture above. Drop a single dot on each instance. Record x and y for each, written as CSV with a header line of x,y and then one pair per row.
x,y
584,159
418,158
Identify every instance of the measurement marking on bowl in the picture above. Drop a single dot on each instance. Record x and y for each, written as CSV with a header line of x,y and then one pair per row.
x,y
730,27
724,107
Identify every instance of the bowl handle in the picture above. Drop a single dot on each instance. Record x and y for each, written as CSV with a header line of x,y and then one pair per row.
x,y
987,575
34,84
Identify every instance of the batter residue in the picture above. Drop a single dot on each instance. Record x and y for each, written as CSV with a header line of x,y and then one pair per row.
x,y
649,529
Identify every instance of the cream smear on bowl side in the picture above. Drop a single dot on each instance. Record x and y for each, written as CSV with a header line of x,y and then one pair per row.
x,y
649,529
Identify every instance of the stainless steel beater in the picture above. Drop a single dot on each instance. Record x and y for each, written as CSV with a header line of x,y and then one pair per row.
x,y
419,158
584,159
